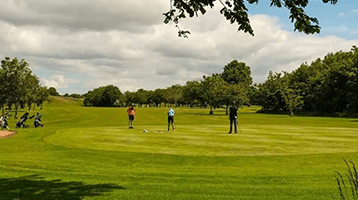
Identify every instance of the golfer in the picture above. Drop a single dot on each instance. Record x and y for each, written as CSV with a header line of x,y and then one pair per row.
x,y
171,119
233,117
131,116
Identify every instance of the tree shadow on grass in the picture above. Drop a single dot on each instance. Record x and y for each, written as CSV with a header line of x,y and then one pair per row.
x,y
35,187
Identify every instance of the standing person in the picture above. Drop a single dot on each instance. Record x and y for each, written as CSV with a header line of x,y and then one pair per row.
x,y
131,116
171,119
233,117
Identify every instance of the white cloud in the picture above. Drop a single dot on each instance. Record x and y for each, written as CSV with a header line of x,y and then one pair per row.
x,y
134,50
134,16
58,81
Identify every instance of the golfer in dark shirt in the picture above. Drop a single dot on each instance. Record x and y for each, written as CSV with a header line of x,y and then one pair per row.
x,y
233,117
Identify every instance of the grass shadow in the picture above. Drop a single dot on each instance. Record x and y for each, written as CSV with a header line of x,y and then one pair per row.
x,y
36,187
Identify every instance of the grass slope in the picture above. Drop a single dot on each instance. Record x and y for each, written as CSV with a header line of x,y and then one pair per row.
x,y
88,153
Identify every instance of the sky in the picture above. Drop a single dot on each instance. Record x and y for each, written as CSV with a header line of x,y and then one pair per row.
x,y
78,45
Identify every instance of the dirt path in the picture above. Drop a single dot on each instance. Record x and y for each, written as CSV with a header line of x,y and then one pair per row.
x,y
5,133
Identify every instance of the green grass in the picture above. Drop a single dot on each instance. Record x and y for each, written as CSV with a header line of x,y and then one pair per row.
x,y
88,153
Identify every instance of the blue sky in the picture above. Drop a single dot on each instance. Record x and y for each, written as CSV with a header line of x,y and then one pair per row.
x,y
78,45
340,19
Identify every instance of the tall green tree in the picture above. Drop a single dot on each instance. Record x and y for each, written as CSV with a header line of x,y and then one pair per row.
x,y
306,82
42,96
325,86
338,86
103,96
158,96
3,96
109,96
167,95
238,75
149,94
235,93
292,99
237,72
212,91
269,95
352,83
140,97
53,91
175,93
33,89
129,97
235,11
16,80
191,92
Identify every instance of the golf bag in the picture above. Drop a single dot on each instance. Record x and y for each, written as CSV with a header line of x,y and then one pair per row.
x,y
37,122
22,122
3,121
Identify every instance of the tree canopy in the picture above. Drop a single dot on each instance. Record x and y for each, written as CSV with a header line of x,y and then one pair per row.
x,y
214,91
19,86
104,97
237,72
325,86
236,11
53,91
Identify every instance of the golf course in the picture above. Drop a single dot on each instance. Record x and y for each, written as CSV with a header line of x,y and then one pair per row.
x,y
89,153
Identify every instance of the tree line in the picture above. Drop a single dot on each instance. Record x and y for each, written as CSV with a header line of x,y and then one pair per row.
x,y
217,90
19,87
53,92
325,86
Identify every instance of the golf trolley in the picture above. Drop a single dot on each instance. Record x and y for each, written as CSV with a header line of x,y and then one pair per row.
x,y
37,122
3,121
22,122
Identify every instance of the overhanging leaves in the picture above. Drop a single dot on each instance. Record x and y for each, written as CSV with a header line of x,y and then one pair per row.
x,y
236,12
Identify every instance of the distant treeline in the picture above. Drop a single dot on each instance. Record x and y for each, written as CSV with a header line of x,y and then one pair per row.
x,y
53,92
233,85
325,86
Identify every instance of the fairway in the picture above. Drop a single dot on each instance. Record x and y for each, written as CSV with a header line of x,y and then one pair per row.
x,y
89,153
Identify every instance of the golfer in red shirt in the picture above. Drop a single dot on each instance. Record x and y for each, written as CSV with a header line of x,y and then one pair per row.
x,y
131,115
